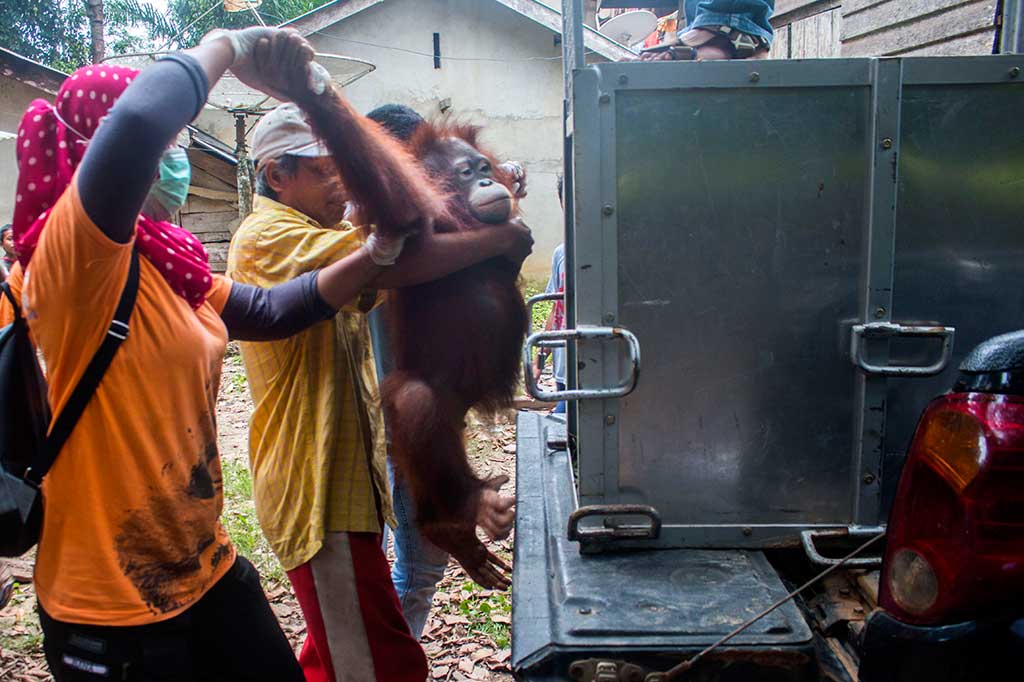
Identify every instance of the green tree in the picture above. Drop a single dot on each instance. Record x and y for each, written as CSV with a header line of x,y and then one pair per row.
x,y
186,21
53,32
57,32
94,11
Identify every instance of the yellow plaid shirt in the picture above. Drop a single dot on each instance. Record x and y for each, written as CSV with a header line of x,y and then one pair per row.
x,y
316,437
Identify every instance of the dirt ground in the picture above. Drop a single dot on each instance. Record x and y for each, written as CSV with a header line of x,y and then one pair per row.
x,y
467,636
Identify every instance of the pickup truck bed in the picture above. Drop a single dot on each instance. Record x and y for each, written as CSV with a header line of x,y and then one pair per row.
x,y
653,607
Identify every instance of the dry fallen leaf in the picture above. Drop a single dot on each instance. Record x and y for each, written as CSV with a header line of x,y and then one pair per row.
x,y
281,610
277,593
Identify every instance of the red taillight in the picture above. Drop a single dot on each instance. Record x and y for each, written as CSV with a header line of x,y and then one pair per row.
x,y
955,545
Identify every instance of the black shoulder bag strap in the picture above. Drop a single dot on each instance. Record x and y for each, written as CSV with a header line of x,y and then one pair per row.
x,y
65,422
6,288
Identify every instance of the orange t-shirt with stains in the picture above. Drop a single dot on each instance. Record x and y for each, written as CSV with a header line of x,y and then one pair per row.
x,y
131,530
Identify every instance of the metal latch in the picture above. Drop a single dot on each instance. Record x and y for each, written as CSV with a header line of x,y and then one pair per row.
x,y
888,330
540,298
614,531
594,670
808,537
557,337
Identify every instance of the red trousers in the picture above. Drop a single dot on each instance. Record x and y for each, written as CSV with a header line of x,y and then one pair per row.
x,y
355,630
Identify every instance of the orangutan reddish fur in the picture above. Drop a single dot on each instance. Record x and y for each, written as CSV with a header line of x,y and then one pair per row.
x,y
456,340
392,190
456,344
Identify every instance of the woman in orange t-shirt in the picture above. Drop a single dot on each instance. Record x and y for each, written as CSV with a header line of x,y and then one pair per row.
x,y
135,576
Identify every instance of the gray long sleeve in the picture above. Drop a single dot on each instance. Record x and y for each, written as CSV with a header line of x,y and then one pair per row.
x,y
121,162
256,314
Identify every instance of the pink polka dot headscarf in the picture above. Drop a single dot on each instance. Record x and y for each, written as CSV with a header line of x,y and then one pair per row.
x,y
52,140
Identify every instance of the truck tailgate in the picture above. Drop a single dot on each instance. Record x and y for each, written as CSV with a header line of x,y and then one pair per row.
x,y
649,607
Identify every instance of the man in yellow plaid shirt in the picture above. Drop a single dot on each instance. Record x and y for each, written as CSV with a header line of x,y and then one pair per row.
x,y
316,443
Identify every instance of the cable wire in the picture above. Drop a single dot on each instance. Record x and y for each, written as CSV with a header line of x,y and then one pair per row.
x,y
430,55
195,21
676,672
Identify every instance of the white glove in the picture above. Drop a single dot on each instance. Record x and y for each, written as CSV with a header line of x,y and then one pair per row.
x,y
242,40
319,79
384,251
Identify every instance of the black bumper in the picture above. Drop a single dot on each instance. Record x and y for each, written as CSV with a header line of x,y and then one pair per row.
x,y
974,651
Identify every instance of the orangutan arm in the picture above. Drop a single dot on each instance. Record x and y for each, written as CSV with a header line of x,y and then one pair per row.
x,y
391,189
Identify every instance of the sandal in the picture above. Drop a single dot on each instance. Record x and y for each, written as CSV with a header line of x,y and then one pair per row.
x,y
708,44
724,42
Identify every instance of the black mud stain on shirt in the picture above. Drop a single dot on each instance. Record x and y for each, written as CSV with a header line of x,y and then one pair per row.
x,y
160,547
204,483
219,555
200,484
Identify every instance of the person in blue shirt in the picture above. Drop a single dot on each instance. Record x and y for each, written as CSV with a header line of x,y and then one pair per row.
x,y
556,320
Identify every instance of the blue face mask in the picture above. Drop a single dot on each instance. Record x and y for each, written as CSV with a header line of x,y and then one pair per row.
x,y
171,188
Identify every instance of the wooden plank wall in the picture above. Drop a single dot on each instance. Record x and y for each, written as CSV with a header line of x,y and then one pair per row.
x,y
807,29
816,36
211,209
870,28
918,27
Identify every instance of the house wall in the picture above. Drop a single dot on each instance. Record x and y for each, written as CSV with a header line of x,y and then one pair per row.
x,y
874,28
211,208
807,30
15,97
220,124
918,27
513,86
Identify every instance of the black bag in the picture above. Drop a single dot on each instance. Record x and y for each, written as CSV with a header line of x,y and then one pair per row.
x,y
26,451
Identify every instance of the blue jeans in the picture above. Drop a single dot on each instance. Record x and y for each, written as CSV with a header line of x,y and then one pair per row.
x,y
419,564
560,406
746,16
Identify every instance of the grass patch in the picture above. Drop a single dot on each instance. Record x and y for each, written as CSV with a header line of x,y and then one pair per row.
x,y
240,521
239,382
481,607
237,481
19,624
533,287
28,643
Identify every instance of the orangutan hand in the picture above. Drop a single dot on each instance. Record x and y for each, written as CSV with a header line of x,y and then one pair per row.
x,y
279,63
518,240
517,173
495,513
460,540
